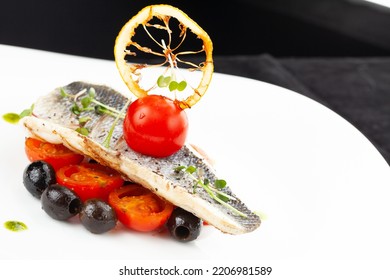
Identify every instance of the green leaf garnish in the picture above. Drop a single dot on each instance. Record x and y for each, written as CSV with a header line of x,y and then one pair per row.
x,y
220,184
173,85
92,92
82,130
163,81
191,169
63,93
213,191
75,109
107,141
26,112
14,118
181,86
179,168
223,198
11,118
85,101
84,120
99,109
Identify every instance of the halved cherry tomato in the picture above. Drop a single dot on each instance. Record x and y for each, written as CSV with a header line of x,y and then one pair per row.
x,y
57,155
139,209
89,180
155,125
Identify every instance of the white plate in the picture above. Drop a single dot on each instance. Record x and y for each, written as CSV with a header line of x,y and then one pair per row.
x,y
321,186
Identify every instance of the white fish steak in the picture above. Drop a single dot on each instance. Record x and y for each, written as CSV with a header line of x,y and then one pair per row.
x,y
54,120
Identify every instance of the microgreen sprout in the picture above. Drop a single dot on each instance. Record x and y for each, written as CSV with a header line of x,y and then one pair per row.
x,y
167,81
170,81
11,118
14,118
173,85
163,81
82,130
106,142
214,191
82,121
85,101
89,103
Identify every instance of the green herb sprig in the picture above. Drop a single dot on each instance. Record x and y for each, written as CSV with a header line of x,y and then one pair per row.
x,y
14,118
87,103
106,142
214,191
168,81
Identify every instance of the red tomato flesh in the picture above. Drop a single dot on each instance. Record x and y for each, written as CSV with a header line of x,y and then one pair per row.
x,y
89,180
154,125
57,155
139,209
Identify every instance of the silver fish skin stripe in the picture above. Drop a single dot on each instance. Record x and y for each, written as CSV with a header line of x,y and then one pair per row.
x,y
54,121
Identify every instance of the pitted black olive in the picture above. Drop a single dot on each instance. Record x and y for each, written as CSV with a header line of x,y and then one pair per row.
x,y
97,216
183,225
60,203
37,176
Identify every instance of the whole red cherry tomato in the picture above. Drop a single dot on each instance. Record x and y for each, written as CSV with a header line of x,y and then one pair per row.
x,y
154,125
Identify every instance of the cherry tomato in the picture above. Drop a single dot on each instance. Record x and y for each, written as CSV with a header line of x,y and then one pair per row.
x,y
154,125
57,155
139,209
89,180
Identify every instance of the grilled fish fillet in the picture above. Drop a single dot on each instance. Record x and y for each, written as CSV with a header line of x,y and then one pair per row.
x,y
53,121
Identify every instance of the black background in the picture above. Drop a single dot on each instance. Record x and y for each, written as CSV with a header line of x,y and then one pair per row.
x,y
277,27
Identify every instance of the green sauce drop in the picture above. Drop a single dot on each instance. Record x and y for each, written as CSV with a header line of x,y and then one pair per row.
x,y
15,226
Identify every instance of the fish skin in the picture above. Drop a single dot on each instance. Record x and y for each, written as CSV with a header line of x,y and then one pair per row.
x,y
53,121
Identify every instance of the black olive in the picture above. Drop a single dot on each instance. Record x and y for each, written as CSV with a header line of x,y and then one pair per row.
x,y
37,176
60,203
97,216
183,225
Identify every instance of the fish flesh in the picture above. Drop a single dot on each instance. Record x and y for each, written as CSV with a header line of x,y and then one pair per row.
x,y
53,120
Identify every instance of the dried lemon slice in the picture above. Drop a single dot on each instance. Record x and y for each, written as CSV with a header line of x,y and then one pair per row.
x,y
167,30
